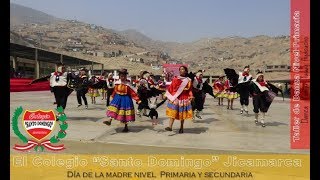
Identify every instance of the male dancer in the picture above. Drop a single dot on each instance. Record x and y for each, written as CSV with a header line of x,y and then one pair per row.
x,y
243,88
197,85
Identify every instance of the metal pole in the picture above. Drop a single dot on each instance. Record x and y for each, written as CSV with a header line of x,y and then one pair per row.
x,y
61,58
37,68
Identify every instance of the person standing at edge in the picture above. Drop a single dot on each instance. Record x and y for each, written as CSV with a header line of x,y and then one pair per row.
x,y
179,95
121,107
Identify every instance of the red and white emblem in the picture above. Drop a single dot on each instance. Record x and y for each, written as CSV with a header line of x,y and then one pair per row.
x,y
39,124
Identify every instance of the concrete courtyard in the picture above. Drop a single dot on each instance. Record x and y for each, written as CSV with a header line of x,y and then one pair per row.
x,y
219,131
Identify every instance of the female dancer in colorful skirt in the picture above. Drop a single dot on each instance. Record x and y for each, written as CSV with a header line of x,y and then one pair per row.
x,y
103,90
219,89
121,107
93,92
179,96
230,93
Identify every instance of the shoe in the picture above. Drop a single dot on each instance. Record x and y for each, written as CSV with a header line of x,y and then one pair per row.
x,y
241,111
263,124
247,112
228,107
168,129
198,116
256,121
125,129
180,131
79,105
86,106
108,123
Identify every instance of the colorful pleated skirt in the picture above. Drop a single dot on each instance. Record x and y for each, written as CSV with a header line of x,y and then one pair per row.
x,y
179,109
102,90
219,94
92,92
231,95
121,108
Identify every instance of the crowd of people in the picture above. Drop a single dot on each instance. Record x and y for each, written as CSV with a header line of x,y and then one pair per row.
x,y
185,94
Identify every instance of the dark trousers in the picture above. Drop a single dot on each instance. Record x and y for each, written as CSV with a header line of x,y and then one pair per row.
x,y
61,94
244,94
244,100
198,101
82,94
144,104
109,93
260,103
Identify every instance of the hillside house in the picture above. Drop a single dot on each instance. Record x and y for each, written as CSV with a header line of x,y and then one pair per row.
x,y
277,68
136,59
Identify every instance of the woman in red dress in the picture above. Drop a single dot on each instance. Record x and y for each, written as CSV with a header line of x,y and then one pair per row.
x,y
179,96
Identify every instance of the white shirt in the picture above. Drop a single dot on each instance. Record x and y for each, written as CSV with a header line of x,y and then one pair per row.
x,y
62,80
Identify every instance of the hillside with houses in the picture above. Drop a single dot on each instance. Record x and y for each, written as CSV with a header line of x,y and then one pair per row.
x,y
133,50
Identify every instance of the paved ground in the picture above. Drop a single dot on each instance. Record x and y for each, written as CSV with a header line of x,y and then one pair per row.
x,y
219,131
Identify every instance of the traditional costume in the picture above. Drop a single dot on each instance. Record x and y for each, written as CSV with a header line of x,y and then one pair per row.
x,y
121,107
230,92
103,89
82,89
262,97
197,85
110,87
243,88
58,83
179,93
219,89
143,92
93,92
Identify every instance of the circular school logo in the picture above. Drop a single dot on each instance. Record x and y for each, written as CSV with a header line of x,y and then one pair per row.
x,y
39,125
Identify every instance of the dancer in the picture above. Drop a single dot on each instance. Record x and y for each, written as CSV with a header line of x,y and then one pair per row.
x,y
121,107
197,84
161,85
103,89
243,88
179,94
110,87
230,93
218,89
143,93
58,84
93,91
82,87
153,105
262,97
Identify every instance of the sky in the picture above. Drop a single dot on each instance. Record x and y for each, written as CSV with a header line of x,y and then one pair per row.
x,y
176,20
